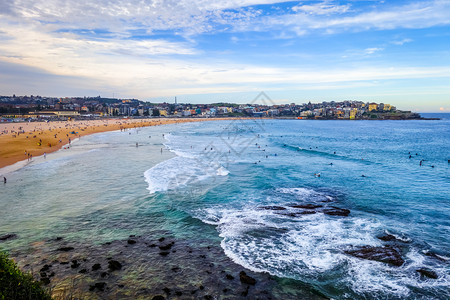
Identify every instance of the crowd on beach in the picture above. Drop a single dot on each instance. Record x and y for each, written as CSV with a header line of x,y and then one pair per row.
x,y
23,141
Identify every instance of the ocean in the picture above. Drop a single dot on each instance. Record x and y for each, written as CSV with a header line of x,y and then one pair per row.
x,y
305,202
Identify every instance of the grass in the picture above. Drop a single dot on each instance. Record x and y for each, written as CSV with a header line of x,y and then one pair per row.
x,y
15,284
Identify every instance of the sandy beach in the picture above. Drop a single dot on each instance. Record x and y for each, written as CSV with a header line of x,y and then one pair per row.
x,y
23,141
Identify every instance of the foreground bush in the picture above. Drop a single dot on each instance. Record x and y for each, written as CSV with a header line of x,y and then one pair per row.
x,y
15,284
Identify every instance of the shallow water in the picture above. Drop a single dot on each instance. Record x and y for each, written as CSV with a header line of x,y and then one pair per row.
x,y
223,173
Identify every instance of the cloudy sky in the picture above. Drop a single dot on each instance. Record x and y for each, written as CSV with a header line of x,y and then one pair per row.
x,y
202,51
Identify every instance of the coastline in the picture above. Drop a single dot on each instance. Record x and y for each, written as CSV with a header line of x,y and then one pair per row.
x,y
22,142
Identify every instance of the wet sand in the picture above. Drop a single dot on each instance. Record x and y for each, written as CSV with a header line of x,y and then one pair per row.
x,y
22,141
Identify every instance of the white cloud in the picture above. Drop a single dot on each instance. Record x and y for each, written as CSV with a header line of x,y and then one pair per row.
x,y
332,19
322,8
369,51
401,42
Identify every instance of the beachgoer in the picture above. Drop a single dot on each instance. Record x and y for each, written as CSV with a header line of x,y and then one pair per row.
x,y
137,145
45,155
4,179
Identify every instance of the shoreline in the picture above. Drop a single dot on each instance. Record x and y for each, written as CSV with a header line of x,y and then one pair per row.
x,y
22,142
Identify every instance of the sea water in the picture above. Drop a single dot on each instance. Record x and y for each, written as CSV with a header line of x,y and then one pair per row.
x,y
242,178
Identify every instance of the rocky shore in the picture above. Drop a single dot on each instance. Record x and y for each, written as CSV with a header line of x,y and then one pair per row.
x,y
143,267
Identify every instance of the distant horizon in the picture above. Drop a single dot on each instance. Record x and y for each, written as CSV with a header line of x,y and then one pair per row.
x,y
210,51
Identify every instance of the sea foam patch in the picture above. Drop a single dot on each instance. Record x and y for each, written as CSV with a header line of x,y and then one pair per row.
x,y
311,247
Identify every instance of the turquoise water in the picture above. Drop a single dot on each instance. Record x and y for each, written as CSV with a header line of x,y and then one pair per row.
x,y
212,181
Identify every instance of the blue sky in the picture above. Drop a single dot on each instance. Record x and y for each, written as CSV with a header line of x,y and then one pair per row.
x,y
201,51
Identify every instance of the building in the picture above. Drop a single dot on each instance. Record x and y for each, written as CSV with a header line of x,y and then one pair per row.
x,y
373,106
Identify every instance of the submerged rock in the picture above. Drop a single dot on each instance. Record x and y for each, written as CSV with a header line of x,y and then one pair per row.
x,y
8,236
114,265
166,247
336,211
66,249
427,273
45,268
96,267
246,279
131,242
98,285
387,237
307,206
75,264
272,207
382,254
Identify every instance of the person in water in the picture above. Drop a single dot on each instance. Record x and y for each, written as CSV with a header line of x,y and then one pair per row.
x,y
4,179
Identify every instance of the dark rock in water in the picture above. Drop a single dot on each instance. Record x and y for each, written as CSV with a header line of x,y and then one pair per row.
x,y
114,265
229,277
132,236
66,249
307,212
164,253
64,263
382,254
427,273
307,206
98,285
270,207
387,237
96,267
208,297
45,280
158,297
131,242
246,279
58,239
162,239
83,271
178,293
166,247
167,290
434,255
75,264
9,236
175,269
45,268
245,293
104,274
336,211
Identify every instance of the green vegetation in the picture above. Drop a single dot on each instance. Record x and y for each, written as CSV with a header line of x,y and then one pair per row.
x,y
15,284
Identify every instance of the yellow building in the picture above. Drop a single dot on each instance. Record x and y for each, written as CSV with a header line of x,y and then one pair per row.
x,y
353,113
373,106
163,112
387,107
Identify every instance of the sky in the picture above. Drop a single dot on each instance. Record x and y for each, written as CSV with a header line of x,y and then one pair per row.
x,y
205,51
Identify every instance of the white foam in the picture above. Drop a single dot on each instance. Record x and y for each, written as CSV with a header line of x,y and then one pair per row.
x,y
311,247
180,172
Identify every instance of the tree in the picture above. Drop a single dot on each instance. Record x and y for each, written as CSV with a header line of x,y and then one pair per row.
x,y
155,112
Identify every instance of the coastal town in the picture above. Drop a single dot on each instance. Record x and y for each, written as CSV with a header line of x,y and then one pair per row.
x,y
28,108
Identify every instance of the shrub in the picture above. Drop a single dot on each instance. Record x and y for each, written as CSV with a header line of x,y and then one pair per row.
x,y
15,284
